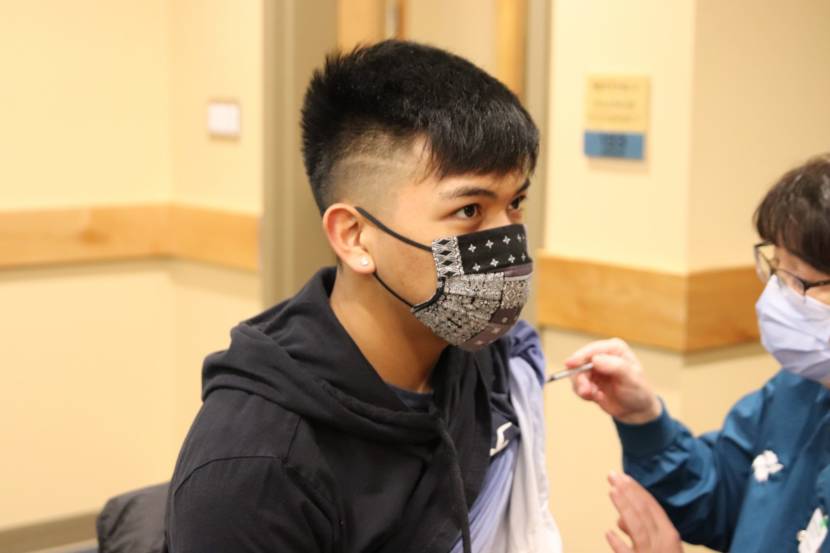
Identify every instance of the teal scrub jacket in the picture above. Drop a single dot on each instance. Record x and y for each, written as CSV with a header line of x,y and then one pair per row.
x,y
708,485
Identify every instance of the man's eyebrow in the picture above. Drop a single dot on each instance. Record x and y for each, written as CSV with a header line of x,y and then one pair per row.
x,y
476,191
468,192
523,187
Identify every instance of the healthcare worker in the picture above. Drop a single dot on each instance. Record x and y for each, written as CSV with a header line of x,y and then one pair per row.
x,y
762,482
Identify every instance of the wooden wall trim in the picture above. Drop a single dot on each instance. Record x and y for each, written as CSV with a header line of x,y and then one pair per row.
x,y
38,237
212,236
50,534
720,308
679,312
684,313
633,304
104,233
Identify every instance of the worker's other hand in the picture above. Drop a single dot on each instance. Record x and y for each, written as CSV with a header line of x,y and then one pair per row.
x,y
616,382
641,518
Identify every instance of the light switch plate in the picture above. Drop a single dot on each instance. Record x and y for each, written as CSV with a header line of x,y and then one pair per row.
x,y
223,119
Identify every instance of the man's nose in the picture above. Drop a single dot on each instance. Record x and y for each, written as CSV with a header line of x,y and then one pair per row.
x,y
496,220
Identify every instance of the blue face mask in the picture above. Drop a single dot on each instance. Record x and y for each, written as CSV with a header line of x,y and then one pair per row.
x,y
795,330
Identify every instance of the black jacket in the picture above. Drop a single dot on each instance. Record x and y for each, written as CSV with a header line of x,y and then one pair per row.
x,y
300,446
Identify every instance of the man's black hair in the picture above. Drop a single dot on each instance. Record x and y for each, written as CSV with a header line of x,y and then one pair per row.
x,y
795,214
378,99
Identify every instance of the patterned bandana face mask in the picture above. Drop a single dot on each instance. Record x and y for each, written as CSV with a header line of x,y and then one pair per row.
x,y
483,280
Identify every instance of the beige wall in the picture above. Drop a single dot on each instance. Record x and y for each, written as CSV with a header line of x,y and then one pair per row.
x,y
216,52
87,402
465,27
103,366
108,102
102,361
761,106
738,95
360,22
85,103
621,212
736,99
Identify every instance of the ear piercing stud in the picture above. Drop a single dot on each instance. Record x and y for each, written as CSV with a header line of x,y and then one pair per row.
x,y
364,262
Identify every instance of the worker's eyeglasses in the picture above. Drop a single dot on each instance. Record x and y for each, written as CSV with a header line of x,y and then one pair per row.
x,y
766,266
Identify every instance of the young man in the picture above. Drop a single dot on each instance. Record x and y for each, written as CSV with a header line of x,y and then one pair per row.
x,y
385,407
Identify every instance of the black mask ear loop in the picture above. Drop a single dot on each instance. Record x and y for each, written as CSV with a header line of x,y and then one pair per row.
x,y
400,237
388,289
391,232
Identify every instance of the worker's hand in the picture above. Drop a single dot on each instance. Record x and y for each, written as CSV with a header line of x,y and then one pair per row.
x,y
641,518
616,382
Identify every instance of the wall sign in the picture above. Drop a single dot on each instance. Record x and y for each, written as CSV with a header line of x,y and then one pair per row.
x,y
616,116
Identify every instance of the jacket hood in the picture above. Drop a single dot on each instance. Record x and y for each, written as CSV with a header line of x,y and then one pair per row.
x,y
298,355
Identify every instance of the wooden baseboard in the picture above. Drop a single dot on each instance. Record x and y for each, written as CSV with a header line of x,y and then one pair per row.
x,y
683,313
60,236
45,535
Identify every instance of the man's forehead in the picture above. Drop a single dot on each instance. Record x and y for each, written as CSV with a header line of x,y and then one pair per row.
x,y
484,185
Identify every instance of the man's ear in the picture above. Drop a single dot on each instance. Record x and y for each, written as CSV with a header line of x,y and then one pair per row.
x,y
345,230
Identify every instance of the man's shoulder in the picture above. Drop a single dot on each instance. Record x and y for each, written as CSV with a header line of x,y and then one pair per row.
x,y
238,423
247,503
234,425
525,350
240,444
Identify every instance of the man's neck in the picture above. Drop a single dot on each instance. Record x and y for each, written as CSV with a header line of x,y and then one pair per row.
x,y
398,346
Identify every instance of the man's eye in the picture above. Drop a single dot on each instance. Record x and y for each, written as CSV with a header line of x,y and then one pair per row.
x,y
516,204
468,211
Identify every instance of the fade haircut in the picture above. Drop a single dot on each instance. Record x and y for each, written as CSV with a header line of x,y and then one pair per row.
x,y
378,100
795,214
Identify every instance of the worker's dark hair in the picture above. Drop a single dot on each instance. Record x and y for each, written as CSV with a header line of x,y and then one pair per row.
x,y
378,99
795,214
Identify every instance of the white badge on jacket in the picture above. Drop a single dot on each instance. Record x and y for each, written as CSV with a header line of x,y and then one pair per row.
x,y
810,540
765,465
